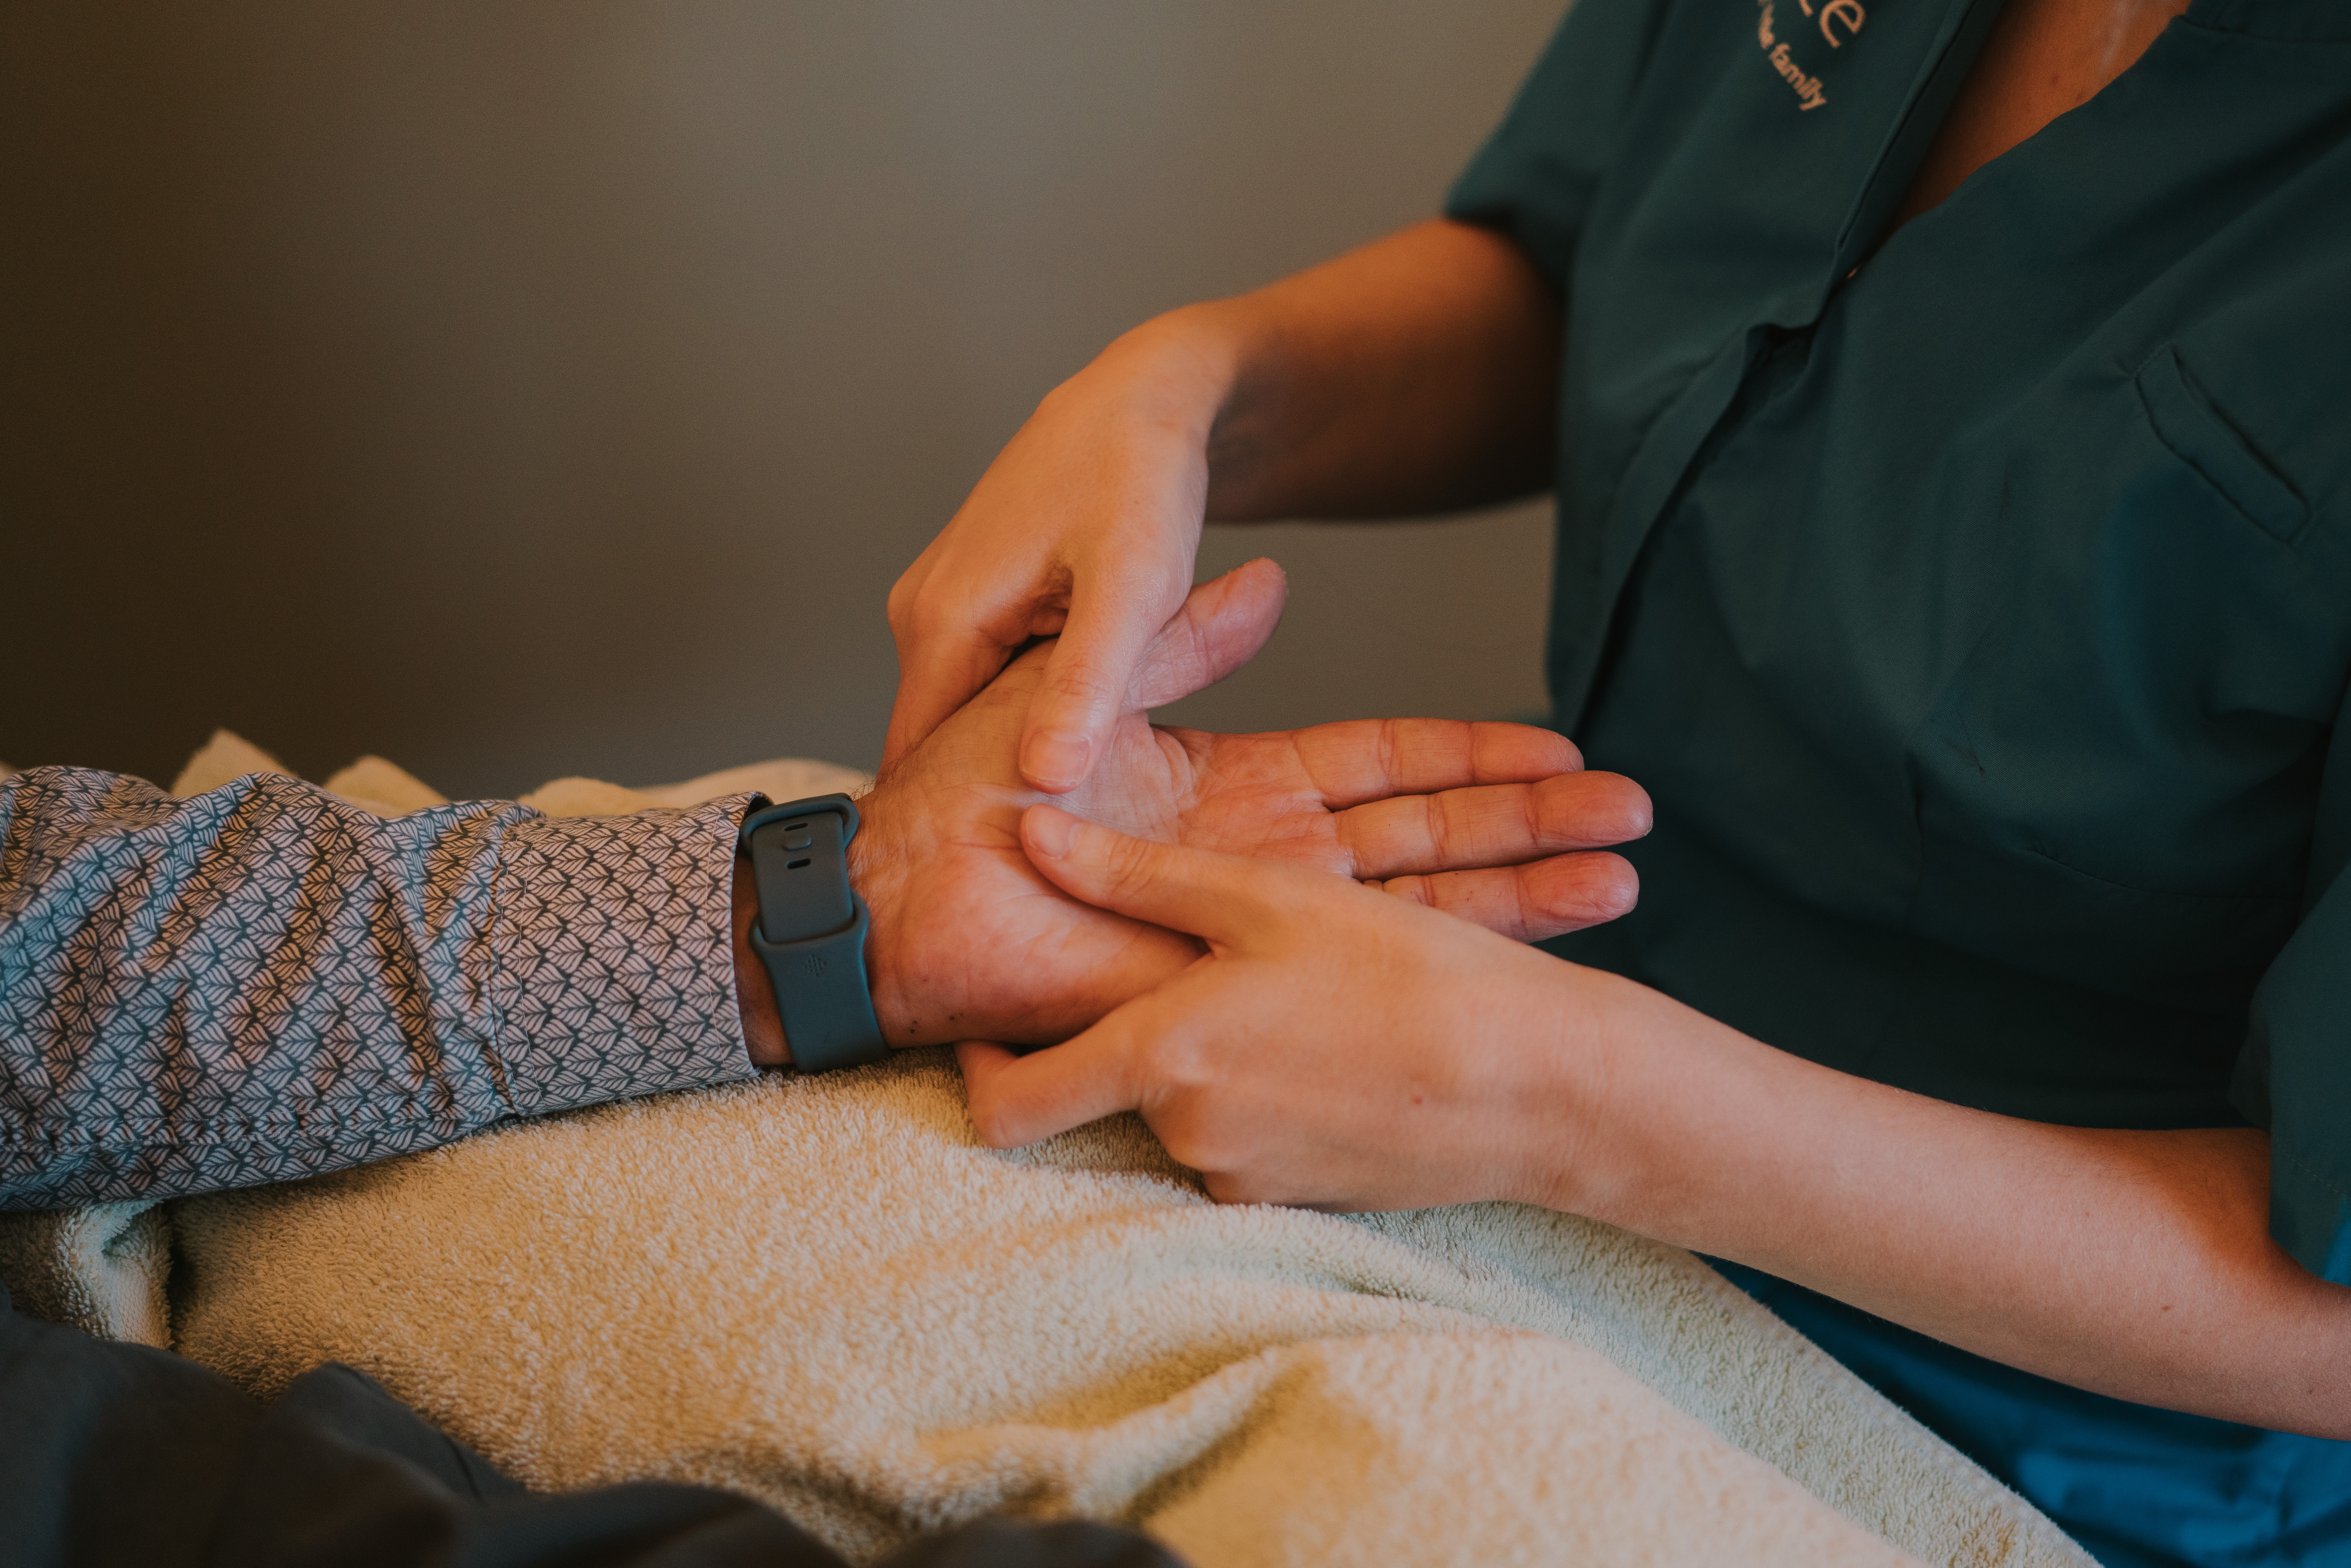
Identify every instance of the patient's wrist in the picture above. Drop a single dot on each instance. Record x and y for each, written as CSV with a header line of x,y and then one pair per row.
x,y
878,876
877,871
755,994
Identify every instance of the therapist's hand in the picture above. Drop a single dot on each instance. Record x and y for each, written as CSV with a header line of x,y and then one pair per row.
x,y
1495,822
1414,376
1335,1048
1084,528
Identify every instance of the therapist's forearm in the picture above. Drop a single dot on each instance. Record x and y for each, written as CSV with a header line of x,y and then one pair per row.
x,y
2137,1264
1416,374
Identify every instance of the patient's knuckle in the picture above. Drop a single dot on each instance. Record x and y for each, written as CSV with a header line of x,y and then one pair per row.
x,y
1443,824
1411,889
1560,809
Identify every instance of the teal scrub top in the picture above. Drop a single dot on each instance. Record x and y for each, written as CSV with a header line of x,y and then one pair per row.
x,y
1974,600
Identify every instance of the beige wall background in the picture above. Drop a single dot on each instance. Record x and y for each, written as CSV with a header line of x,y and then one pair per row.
x,y
532,388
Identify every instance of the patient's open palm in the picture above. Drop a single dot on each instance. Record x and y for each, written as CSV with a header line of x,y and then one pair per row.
x,y
1493,821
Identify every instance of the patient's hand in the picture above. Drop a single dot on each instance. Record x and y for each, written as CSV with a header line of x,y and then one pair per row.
x,y
1496,822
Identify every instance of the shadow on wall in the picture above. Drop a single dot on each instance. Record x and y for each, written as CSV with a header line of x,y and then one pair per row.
x,y
542,389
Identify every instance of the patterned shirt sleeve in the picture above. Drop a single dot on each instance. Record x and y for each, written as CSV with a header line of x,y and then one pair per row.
x,y
264,982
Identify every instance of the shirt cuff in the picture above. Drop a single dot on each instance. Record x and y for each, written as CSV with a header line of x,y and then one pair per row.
x,y
612,963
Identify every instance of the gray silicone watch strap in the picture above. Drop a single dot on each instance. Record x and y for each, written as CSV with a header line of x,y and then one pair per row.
x,y
810,933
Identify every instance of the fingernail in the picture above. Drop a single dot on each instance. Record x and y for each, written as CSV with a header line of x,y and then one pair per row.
x,y
1054,760
1051,832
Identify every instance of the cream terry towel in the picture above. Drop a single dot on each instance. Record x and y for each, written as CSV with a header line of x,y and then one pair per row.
x,y
824,1293
100,1268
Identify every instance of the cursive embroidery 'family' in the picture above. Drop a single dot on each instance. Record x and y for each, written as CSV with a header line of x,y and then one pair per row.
x,y
1831,15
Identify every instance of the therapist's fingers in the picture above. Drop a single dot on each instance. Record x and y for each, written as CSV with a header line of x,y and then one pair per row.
x,y
948,651
1493,825
1226,899
1370,760
1529,902
1221,626
1016,1100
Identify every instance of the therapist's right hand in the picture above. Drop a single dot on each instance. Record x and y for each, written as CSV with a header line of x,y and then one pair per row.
x,y
1414,376
1084,528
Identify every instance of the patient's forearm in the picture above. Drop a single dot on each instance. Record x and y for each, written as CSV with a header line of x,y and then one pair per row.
x,y
265,982
2138,1264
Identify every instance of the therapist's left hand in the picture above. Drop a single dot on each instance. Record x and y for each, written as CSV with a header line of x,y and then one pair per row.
x,y
1336,1047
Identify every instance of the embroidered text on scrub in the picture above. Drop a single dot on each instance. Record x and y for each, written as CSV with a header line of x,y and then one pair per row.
x,y
1808,88
1849,11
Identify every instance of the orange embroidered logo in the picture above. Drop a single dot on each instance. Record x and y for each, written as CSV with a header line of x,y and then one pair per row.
x,y
1849,11
1831,15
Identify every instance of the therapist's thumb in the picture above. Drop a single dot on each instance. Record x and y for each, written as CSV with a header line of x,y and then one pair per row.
x,y
1087,677
1219,897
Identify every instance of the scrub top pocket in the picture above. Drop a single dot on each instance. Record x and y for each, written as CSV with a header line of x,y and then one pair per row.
x,y
2203,438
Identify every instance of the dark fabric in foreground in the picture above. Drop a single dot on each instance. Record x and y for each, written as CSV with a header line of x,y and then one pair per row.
x,y
117,1456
